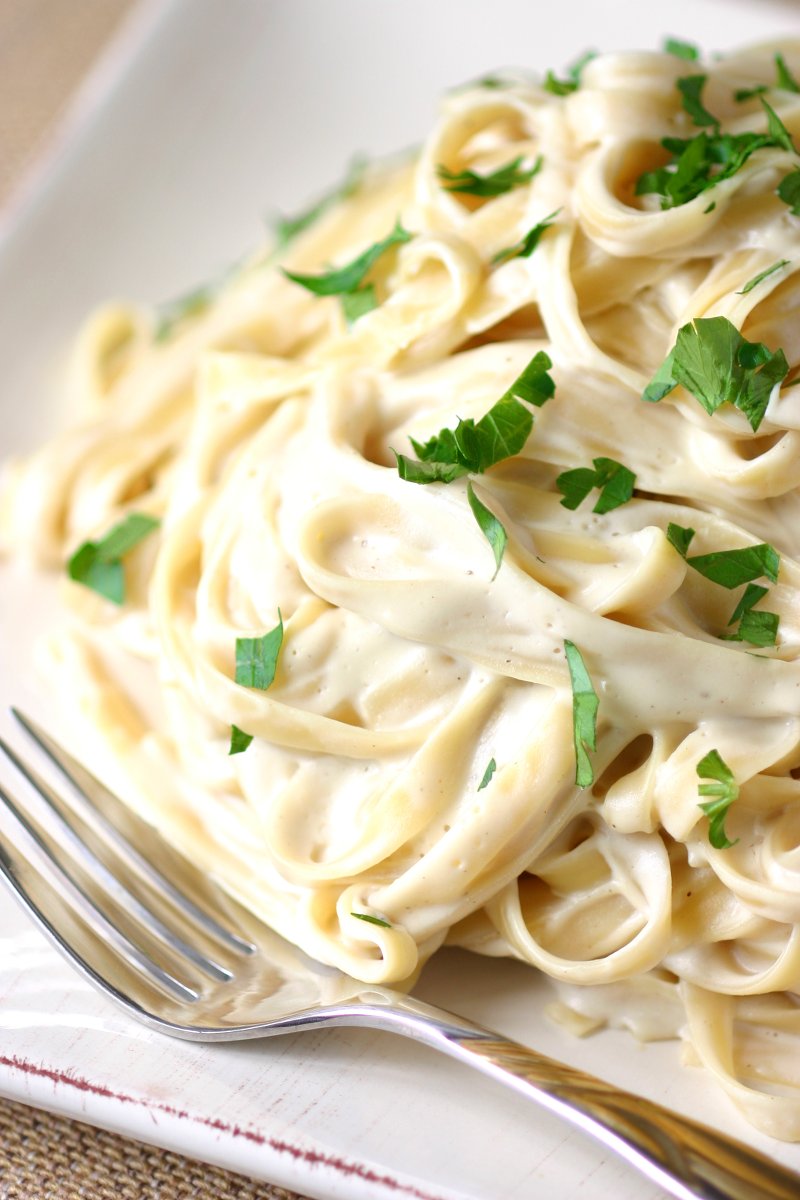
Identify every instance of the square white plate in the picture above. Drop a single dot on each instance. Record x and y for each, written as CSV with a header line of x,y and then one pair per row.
x,y
210,115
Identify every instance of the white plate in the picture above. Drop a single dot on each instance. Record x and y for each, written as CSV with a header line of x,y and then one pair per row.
x,y
220,112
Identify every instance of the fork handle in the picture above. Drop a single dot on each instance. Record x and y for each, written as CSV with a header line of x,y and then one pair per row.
x,y
687,1159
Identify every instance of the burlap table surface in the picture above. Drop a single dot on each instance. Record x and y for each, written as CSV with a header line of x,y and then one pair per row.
x,y
46,48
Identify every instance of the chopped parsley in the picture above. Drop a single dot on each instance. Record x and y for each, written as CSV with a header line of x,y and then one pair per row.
x,y
728,568
718,366
691,88
98,565
496,183
190,304
724,790
256,664
750,93
474,447
615,482
491,767
239,740
490,526
789,191
525,247
758,627
565,87
698,163
754,282
286,229
371,920
585,704
347,281
786,79
681,49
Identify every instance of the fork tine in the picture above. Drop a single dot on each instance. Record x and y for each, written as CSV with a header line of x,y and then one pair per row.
x,y
81,854
90,790
39,856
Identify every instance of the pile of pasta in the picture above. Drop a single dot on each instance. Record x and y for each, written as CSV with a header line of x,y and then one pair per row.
x,y
413,760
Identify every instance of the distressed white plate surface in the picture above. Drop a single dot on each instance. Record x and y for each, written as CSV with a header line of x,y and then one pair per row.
x,y
207,116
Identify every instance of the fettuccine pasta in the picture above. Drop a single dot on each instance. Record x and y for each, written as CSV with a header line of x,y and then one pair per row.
x,y
428,756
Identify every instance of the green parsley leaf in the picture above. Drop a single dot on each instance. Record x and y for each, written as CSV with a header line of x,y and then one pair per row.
x,y
789,191
615,481
525,247
98,565
371,920
754,282
489,525
349,278
699,163
533,384
751,595
718,366
496,183
355,304
681,49
491,767
257,658
286,229
239,740
476,446
786,79
724,789
565,87
777,131
759,628
729,568
750,93
427,472
679,537
189,304
585,704
691,88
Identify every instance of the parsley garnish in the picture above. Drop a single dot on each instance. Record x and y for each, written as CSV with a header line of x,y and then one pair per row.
x,y
286,229
759,628
98,565
490,526
474,447
724,789
239,740
372,920
491,767
789,191
525,247
256,663
585,704
496,183
786,79
691,88
699,163
718,366
729,568
751,283
750,93
615,481
347,281
564,87
681,49
257,658
189,304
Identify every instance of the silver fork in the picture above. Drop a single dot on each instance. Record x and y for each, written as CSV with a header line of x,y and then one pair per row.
x,y
163,941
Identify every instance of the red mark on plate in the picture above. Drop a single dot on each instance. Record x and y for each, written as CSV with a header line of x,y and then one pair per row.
x,y
312,1157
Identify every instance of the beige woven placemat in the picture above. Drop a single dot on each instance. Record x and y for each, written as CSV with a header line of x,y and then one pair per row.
x,y
46,48
43,1157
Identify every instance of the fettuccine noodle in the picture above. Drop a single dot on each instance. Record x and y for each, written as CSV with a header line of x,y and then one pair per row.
x,y
261,430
